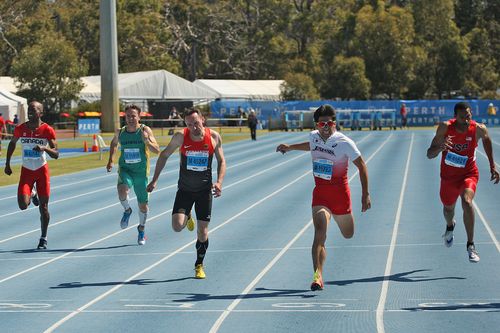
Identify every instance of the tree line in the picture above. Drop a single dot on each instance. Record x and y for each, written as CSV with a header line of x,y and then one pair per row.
x,y
330,49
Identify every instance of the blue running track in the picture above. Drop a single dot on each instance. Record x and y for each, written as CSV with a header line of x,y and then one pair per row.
x,y
394,275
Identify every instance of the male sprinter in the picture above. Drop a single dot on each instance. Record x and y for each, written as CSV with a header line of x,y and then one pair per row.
x,y
136,140
198,144
37,139
457,140
331,152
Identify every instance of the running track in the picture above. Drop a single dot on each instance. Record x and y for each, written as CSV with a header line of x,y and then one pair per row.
x,y
394,275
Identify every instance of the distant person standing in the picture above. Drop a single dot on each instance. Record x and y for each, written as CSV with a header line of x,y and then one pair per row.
x,y
456,140
136,140
3,129
404,116
492,111
252,124
38,140
16,120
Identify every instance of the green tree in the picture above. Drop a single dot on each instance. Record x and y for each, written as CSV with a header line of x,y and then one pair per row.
x,y
347,79
299,86
383,39
481,76
49,71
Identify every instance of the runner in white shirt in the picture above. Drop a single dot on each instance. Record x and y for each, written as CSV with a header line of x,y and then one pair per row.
x,y
331,152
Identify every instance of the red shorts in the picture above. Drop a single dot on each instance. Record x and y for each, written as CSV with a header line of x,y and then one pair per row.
x,y
451,188
29,177
337,198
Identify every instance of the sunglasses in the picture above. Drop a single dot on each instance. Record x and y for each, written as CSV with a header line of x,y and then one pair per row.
x,y
322,124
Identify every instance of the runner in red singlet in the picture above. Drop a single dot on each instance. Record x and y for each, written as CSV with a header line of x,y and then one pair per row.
x,y
457,140
38,139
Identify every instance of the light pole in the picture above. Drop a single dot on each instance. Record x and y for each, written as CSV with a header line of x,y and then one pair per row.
x,y
109,66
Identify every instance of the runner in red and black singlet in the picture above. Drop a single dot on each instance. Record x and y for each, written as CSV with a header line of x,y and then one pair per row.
x,y
457,140
197,146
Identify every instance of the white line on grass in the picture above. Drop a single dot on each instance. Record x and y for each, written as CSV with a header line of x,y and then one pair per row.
x,y
145,270
390,255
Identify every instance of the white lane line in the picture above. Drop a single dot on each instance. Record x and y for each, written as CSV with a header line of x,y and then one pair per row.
x,y
390,255
487,226
156,191
235,303
145,270
252,284
172,159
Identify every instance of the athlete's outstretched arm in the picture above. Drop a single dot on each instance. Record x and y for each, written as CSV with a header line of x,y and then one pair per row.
x,y
150,140
482,132
10,151
175,143
283,148
439,142
112,150
363,177
221,164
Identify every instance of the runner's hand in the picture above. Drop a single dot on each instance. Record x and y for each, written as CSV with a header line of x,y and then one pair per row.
x,y
217,190
8,170
283,148
109,166
495,176
151,186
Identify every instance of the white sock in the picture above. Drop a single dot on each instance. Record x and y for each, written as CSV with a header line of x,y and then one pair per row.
x,y
125,203
142,217
44,238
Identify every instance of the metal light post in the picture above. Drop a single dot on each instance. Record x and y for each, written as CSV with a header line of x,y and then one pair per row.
x,y
109,66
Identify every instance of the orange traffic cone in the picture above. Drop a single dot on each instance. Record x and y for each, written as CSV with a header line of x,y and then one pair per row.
x,y
85,149
95,145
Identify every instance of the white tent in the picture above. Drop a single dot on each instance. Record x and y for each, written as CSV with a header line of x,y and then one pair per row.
x,y
15,105
266,90
7,84
149,85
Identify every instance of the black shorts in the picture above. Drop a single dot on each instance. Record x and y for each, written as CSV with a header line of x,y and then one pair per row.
x,y
202,201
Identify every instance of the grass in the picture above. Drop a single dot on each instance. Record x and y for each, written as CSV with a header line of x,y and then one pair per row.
x,y
91,160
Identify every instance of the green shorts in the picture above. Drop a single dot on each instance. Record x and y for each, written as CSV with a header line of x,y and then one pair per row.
x,y
137,180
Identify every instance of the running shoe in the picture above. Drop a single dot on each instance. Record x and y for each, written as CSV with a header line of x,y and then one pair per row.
x,y
125,218
317,283
190,223
34,198
473,255
141,237
42,244
199,273
448,236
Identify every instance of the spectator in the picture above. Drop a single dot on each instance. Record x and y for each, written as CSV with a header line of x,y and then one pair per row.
x,y
16,120
492,111
404,116
252,124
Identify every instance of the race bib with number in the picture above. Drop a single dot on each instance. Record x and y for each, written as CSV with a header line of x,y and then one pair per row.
x,y
455,160
132,155
31,154
323,169
197,160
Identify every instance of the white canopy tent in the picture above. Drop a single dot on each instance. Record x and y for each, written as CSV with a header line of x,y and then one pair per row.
x,y
7,84
149,85
265,90
11,104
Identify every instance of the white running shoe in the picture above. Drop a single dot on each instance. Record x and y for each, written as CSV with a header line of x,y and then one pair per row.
x,y
448,236
473,255
125,218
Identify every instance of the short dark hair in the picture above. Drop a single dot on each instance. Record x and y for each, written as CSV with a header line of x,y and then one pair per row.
x,y
324,110
133,107
461,106
190,111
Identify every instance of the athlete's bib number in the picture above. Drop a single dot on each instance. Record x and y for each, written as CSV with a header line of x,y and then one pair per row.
x,y
31,154
132,155
455,160
197,160
323,169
